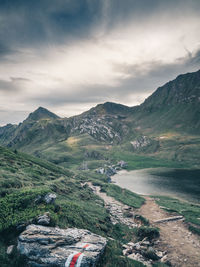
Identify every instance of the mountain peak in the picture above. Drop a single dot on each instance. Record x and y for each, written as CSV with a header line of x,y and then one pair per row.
x,y
110,108
42,113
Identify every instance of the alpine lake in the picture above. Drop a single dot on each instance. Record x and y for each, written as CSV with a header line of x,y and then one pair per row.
x,y
183,184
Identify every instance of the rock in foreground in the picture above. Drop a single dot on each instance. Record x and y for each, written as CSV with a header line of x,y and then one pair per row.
x,y
55,247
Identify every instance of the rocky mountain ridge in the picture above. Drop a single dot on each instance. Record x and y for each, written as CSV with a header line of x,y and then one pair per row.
x,y
174,107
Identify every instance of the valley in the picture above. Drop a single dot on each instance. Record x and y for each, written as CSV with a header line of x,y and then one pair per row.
x,y
73,159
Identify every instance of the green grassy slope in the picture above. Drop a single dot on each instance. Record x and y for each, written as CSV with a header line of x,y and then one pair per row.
x,y
23,178
191,212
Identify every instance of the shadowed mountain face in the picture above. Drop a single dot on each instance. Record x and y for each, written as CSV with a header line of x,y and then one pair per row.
x,y
173,108
185,89
41,113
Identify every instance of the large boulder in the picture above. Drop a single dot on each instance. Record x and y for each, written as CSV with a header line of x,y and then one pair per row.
x,y
55,247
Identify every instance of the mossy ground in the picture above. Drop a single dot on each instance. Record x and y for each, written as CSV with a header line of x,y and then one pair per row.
x,y
23,178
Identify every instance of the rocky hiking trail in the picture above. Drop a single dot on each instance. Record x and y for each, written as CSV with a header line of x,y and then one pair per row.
x,y
176,243
183,247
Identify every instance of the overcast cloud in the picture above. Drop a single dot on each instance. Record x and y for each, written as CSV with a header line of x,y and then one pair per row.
x,y
69,55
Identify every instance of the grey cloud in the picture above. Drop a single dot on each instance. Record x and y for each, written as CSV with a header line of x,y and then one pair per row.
x,y
149,76
12,85
19,79
38,24
41,22
194,59
33,23
7,86
139,82
91,94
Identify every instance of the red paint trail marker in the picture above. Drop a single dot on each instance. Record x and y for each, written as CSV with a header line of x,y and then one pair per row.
x,y
76,257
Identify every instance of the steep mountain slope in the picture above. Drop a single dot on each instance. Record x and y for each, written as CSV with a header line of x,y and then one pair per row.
x,y
166,125
174,106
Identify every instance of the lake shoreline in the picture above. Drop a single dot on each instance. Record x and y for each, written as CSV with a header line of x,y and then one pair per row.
x,y
161,182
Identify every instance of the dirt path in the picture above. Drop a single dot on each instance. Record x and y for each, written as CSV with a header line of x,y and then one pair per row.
x,y
183,247
115,208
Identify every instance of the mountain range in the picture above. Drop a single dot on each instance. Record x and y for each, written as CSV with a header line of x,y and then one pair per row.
x,y
165,126
161,132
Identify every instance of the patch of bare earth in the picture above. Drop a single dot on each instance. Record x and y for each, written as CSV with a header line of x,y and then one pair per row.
x,y
183,247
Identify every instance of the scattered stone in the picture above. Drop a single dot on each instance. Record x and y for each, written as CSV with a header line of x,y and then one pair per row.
x,y
110,171
122,164
127,251
159,254
139,257
50,198
137,246
150,253
164,259
147,243
84,184
100,170
131,244
48,246
44,219
10,250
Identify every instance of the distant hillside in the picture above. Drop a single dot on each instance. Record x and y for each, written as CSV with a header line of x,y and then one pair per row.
x,y
172,112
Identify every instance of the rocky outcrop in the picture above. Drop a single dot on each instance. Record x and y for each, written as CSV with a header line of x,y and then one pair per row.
x,y
44,219
47,246
50,198
110,170
142,141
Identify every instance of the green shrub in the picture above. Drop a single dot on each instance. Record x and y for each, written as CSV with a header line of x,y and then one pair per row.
x,y
19,207
148,232
142,219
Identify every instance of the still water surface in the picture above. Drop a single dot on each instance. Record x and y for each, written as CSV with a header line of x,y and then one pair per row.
x,y
179,183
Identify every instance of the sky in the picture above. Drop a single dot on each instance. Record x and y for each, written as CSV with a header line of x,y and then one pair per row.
x,y
69,55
